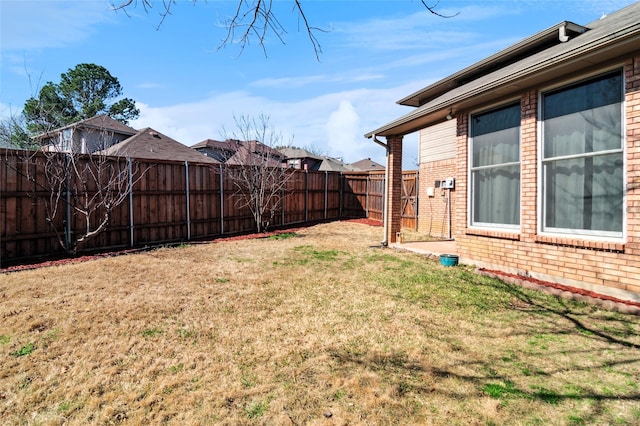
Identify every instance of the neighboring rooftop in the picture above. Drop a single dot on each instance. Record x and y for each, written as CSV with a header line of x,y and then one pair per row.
x,y
335,165
99,122
367,165
151,144
290,152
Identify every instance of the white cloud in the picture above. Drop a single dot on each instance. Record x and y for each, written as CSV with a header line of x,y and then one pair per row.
x,y
342,131
333,122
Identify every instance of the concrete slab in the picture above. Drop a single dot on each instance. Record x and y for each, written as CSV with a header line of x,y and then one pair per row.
x,y
429,248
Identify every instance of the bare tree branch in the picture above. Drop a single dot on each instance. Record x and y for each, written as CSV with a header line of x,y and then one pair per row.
x,y
255,169
256,20
432,9
90,186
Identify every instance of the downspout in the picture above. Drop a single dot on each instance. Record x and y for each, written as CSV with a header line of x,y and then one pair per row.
x,y
562,33
385,199
569,29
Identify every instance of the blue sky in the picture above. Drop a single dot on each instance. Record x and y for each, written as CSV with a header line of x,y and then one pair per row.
x,y
374,53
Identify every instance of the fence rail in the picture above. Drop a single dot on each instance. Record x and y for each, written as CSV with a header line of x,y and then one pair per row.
x,y
171,202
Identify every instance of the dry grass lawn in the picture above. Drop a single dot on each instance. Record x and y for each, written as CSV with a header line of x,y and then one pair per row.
x,y
321,328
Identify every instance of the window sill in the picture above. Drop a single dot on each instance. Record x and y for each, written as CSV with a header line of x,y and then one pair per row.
x,y
585,244
514,236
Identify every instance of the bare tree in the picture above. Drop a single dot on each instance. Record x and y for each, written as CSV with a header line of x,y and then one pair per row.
x,y
255,19
14,133
254,166
80,191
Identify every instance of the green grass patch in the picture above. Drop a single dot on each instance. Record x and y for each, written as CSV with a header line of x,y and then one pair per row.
x,y
309,253
283,236
176,368
257,409
24,351
151,332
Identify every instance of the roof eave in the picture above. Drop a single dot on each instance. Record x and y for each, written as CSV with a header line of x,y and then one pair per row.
x,y
607,48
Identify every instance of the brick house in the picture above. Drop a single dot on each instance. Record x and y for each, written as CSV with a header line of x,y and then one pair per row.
x,y
542,140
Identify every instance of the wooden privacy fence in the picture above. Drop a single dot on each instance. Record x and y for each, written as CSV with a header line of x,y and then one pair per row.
x,y
170,202
367,192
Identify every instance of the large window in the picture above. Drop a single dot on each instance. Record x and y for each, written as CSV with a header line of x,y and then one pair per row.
x,y
495,168
582,158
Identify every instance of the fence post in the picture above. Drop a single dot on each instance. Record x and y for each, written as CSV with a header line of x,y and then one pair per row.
x,y
326,194
130,167
221,202
416,205
306,195
283,203
186,175
367,197
340,184
67,231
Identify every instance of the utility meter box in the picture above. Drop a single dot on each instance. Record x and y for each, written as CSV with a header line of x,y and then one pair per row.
x,y
448,183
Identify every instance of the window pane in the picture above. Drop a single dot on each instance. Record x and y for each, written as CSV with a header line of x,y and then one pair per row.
x,y
497,148
496,120
605,90
496,195
582,132
495,188
585,193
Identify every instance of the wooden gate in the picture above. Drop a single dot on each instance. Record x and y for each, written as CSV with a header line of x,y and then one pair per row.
x,y
409,215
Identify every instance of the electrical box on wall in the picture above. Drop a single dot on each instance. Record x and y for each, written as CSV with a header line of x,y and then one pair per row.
x,y
430,192
448,183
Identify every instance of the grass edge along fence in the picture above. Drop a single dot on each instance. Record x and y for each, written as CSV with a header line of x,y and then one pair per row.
x,y
169,202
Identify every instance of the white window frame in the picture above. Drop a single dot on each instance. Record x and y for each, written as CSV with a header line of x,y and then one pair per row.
x,y
579,233
66,143
470,194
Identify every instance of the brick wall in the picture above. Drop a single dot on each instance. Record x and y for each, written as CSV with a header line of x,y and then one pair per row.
x,y
606,267
395,195
432,211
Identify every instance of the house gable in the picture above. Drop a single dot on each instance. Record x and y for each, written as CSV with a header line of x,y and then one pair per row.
x,y
87,136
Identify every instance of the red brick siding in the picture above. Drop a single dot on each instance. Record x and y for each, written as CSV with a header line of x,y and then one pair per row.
x,y
432,211
395,195
564,260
